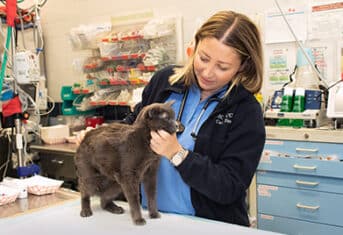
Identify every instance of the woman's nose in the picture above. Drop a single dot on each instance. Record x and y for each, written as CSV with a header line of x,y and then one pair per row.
x,y
208,71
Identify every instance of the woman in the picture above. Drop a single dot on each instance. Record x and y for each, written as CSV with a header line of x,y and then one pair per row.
x,y
207,168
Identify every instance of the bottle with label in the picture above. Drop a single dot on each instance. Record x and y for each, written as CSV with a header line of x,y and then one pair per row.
x,y
298,106
286,105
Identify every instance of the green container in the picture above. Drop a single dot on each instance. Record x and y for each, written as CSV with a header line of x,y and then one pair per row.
x,y
286,106
299,101
69,109
298,106
67,93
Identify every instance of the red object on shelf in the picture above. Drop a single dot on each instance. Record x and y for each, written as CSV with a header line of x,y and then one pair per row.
x,y
118,82
125,57
120,68
76,91
110,70
11,11
104,82
112,102
11,107
94,121
121,103
140,66
150,68
134,56
106,58
91,66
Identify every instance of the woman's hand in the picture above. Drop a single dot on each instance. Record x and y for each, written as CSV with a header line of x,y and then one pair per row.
x,y
81,135
164,144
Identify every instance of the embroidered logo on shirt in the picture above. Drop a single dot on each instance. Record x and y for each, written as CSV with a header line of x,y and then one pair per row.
x,y
222,119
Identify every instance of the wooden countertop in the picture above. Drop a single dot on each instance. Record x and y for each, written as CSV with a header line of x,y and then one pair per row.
x,y
65,148
34,203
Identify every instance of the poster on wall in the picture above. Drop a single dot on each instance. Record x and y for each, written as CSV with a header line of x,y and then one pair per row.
x,y
279,64
323,17
277,29
324,54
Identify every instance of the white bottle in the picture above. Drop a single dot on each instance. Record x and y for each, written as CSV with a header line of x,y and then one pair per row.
x,y
305,76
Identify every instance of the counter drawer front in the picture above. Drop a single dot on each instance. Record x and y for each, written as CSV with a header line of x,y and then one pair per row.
x,y
302,166
303,148
300,204
291,226
58,166
324,184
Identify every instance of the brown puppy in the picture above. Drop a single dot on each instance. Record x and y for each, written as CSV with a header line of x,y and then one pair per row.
x,y
117,158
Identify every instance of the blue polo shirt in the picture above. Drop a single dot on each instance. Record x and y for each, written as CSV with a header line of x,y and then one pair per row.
x,y
173,194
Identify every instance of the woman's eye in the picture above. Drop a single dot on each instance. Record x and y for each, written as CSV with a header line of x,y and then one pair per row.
x,y
204,59
222,68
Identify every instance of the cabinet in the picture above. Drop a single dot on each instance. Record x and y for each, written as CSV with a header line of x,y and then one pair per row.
x,y
300,183
57,161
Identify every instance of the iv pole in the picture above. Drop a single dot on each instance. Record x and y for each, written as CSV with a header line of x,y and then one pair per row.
x,y
17,120
22,170
11,6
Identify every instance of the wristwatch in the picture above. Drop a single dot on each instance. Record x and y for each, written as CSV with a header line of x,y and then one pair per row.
x,y
179,157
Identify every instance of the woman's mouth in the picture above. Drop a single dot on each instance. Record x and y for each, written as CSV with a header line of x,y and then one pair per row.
x,y
205,82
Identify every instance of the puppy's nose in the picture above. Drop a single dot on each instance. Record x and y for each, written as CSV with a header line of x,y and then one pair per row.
x,y
179,127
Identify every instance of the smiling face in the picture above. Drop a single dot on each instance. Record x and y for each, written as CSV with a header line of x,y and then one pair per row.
x,y
215,64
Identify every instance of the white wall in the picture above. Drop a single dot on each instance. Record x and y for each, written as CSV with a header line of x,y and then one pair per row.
x,y
59,16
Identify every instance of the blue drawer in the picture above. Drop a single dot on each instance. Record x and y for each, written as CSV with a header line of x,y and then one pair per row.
x,y
292,227
305,149
301,166
307,205
324,184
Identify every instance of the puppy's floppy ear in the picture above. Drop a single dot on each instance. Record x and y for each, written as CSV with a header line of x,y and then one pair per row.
x,y
150,113
170,103
153,112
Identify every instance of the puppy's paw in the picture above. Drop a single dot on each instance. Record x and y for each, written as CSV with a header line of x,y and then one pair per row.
x,y
155,215
140,221
86,213
114,209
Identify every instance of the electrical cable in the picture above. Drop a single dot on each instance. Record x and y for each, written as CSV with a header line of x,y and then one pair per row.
x,y
40,45
290,77
52,107
9,150
4,61
320,76
22,29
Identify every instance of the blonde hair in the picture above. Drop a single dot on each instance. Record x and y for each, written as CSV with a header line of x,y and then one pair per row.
x,y
239,32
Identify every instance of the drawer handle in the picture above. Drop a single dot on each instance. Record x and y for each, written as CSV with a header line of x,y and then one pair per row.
x,y
307,183
60,162
306,150
296,166
299,205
